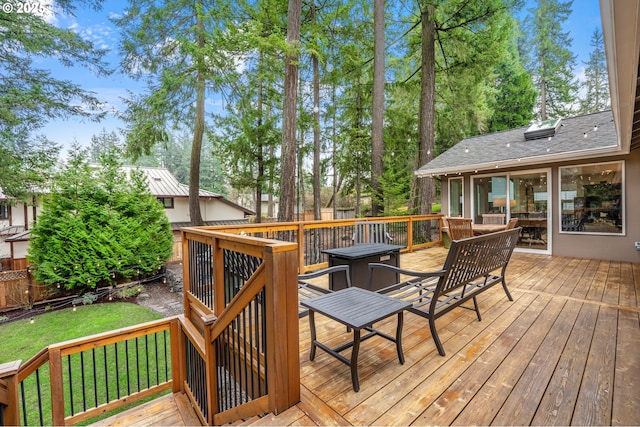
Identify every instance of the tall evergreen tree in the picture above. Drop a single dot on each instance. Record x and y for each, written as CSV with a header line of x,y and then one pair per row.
x,y
460,40
103,143
288,156
596,84
515,96
183,50
550,60
30,95
377,119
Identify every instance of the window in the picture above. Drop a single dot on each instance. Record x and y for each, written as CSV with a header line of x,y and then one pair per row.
x,y
591,198
167,202
456,195
4,211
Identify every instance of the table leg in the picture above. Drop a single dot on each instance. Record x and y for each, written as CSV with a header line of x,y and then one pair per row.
x,y
312,328
354,359
399,337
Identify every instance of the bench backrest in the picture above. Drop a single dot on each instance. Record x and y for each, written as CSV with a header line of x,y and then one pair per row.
x,y
471,258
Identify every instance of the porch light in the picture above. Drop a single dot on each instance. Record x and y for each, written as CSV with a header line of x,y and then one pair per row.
x,y
595,128
466,150
508,144
32,320
585,135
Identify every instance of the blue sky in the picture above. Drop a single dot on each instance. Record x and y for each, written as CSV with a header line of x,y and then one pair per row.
x,y
96,27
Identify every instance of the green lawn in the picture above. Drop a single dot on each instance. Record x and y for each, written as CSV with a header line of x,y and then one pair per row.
x,y
22,339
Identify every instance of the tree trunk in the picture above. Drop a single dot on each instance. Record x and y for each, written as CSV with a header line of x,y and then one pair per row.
x,y
316,126
198,132
260,148
377,119
287,185
424,186
543,91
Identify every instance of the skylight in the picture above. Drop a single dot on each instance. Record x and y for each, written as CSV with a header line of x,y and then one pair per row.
x,y
543,129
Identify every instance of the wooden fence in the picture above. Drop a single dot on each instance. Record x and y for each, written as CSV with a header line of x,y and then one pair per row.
x,y
17,290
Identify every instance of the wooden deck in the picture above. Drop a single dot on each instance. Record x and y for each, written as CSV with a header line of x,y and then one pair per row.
x,y
565,352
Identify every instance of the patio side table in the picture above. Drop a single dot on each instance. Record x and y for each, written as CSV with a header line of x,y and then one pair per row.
x,y
357,309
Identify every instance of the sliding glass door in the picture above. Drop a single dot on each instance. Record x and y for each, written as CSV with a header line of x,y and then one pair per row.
x,y
530,204
521,195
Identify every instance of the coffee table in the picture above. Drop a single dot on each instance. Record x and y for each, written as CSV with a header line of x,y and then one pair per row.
x,y
357,309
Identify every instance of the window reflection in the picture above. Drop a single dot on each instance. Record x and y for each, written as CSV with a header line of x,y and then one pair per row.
x,y
591,198
455,197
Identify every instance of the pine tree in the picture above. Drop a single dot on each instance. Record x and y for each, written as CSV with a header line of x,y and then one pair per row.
x,y
551,62
596,84
183,50
515,95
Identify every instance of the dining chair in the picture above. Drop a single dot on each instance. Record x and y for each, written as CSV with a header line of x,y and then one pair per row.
x,y
460,228
497,218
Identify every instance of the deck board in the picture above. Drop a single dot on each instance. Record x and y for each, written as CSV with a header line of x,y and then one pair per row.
x,y
564,352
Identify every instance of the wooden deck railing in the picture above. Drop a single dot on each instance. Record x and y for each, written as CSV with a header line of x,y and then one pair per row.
x,y
413,232
70,382
241,300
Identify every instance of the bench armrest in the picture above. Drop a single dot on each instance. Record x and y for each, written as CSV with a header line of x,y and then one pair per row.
x,y
325,271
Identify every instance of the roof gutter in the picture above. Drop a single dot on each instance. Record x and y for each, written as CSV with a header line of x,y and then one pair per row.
x,y
611,150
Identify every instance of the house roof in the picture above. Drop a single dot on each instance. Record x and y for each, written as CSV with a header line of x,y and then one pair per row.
x,y
11,230
162,183
576,137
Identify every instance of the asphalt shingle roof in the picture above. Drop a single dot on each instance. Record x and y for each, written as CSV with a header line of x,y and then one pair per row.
x,y
510,148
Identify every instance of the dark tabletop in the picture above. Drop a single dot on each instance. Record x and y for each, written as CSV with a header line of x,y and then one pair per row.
x,y
356,307
363,250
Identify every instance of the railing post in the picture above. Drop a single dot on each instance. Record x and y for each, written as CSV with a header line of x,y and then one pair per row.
x,y
57,389
186,281
9,397
211,367
410,234
177,356
301,246
283,352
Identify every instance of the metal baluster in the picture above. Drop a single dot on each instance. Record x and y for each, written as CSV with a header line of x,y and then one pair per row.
x,y
106,376
117,371
95,377
84,395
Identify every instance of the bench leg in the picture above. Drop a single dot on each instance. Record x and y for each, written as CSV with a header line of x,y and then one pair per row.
x,y
312,330
434,335
354,360
506,290
399,338
475,307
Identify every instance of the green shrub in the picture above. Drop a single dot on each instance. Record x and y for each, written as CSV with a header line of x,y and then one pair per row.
x,y
98,226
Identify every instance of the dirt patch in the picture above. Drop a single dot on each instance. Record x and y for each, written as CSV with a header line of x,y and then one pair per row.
x,y
164,296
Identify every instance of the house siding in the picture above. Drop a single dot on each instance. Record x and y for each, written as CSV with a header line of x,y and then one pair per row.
x,y
607,247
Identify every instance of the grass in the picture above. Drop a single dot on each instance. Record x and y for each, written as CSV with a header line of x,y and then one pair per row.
x,y
22,339
98,375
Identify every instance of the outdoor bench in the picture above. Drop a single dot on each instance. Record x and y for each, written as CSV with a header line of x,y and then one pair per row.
x,y
473,265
